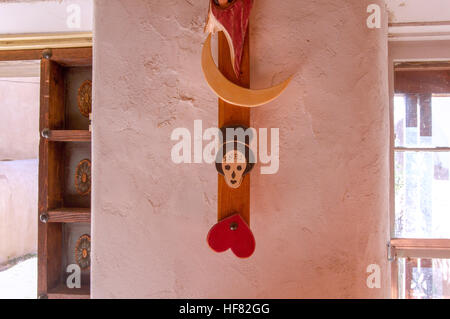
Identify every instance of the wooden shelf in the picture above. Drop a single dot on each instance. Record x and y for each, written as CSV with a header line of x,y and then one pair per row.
x,y
64,142
62,292
69,215
67,135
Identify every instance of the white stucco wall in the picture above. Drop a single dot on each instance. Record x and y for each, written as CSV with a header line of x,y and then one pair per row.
x,y
318,223
18,208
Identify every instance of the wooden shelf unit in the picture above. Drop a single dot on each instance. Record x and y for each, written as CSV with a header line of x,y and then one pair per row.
x,y
67,135
69,215
62,292
58,135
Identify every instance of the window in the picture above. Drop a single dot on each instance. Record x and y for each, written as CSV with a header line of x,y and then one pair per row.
x,y
421,166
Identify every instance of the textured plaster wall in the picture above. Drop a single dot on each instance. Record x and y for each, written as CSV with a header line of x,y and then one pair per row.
x,y
18,203
19,118
319,222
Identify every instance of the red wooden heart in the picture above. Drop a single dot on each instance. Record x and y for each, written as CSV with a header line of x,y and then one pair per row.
x,y
232,232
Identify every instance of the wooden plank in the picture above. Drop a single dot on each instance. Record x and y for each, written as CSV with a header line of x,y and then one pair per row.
x,y
31,41
63,292
69,215
422,82
422,66
68,135
421,248
65,57
415,243
231,201
50,176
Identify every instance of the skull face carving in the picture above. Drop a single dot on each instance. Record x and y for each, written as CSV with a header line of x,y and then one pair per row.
x,y
235,158
234,165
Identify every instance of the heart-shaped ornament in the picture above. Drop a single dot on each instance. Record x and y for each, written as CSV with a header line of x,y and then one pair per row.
x,y
232,233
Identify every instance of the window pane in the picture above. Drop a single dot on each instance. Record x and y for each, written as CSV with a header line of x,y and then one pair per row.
x,y
424,278
422,120
422,195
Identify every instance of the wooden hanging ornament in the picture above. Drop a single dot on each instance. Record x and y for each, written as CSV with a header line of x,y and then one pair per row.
x,y
83,252
83,177
232,233
230,81
85,98
232,18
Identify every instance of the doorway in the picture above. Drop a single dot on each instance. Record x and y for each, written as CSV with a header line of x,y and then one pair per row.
x,y
19,149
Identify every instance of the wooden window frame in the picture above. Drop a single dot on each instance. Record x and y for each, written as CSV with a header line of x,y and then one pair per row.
x,y
413,52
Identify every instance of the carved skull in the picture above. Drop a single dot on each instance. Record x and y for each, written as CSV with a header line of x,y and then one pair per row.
x,y
234,165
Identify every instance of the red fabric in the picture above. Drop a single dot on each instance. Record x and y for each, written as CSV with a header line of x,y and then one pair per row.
x,y
235,21
241,241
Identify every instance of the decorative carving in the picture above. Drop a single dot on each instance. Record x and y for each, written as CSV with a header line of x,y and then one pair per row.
x,y
83,177
83,252
85,98
231,92
235,159
231,17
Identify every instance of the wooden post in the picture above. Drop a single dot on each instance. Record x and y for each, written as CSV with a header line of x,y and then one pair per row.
x,y
230,200
50,176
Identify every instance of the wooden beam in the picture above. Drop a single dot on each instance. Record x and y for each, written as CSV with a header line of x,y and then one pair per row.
x,y
69,215
232,201
63,292
421,248
422,82
33,41
423,243
68,135
65,57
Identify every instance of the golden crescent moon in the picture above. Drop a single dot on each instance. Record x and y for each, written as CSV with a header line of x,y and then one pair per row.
x,y
230,92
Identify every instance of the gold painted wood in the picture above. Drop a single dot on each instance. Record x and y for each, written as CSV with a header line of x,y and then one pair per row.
x,y
45,40
233,93
233,200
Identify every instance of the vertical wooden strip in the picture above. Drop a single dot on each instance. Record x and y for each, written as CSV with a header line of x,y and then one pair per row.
x,y
43,179
50,175
426,126
231,201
